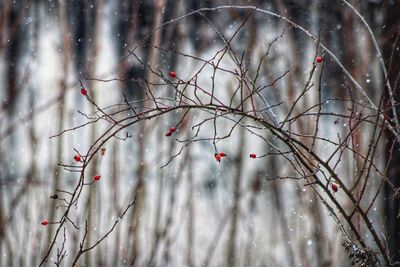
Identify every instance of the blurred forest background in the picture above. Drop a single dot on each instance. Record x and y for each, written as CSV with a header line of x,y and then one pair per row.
x,y
195,211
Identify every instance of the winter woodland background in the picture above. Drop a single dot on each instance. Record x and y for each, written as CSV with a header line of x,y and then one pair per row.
x,y
194,211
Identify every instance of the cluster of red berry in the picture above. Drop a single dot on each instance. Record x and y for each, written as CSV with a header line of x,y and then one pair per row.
x,y
77,158
335,187
83,91
170,131
172,74
219,156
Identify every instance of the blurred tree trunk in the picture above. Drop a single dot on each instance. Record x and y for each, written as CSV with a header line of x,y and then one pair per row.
x,y
232,239
94,216
10,41
140,190
392,204
115,167
278,198
13,53
190,223
60,117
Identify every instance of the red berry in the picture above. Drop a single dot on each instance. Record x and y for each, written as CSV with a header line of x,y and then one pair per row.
x,y
77,158
172,74
319,59
222,154
253,156
218,157
83,91
168,133
45,222
172,129
97,177
335,187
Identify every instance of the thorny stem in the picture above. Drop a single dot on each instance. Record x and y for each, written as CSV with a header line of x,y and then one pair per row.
x,y
311,166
